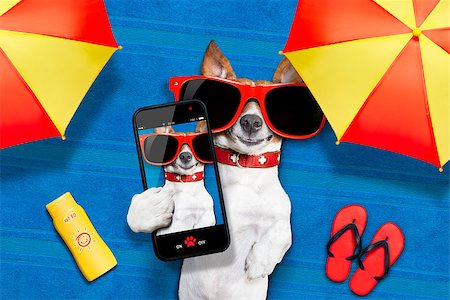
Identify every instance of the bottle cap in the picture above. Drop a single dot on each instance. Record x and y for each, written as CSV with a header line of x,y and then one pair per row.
x,y
61,205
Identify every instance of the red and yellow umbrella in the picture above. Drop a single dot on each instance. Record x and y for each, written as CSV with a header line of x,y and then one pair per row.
x,y
380,70
50,54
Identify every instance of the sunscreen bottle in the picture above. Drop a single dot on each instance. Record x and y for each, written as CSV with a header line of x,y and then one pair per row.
x,y
91,254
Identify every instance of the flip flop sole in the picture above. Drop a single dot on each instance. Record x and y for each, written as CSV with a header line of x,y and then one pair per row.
x,y
363,282
338,267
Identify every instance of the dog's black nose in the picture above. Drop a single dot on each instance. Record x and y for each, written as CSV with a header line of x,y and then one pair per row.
x,y
185,157
251,123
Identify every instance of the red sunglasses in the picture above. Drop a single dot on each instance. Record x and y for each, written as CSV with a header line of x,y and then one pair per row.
x,y
162,149
289,109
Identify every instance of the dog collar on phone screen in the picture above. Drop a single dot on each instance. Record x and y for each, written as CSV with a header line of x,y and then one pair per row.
x,y
184,178
232,158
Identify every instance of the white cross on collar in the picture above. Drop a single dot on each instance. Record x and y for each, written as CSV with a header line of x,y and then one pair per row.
x,y
262,160
194,177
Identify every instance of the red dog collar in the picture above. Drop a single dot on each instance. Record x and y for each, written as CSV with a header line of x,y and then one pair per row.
x,y
184,178
232,158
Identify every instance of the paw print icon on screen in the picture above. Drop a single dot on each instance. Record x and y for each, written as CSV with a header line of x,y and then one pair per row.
x,y
190,241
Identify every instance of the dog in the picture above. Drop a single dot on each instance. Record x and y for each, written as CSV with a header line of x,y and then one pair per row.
x,y
258,208
183,202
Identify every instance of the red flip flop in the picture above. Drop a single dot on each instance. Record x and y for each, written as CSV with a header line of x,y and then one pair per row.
x,y
348,226
385,248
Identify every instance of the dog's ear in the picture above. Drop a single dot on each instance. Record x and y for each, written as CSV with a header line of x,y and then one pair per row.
x,y
201,127
216,64
286,73
164,129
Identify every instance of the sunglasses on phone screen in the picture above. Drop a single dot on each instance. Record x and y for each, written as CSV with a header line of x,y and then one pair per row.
x,y
162,149
289,109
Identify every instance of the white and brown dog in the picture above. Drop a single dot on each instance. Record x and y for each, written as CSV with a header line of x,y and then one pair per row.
x,y
183,202
257,207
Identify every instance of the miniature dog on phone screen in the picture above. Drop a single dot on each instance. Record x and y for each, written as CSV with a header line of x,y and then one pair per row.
x,y
183,202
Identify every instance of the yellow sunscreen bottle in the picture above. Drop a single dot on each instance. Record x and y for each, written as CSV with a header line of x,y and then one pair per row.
x,y
91,254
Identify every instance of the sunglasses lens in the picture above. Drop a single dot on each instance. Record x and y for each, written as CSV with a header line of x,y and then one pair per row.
x,y
293,110
202,148
160,149
221,99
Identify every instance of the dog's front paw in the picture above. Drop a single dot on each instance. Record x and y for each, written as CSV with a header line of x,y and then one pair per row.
x,y
257,263
151,210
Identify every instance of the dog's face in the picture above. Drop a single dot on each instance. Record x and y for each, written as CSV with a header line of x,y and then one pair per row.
x,y
250,134
185,163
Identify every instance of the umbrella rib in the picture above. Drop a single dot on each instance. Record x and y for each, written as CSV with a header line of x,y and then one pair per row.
x,y
426,32
373,91
430,122
61,38
1,14
392,15
106,23
352,40
31,91
427,18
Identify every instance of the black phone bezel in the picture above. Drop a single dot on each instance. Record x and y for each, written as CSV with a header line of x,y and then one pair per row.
x,y
211,232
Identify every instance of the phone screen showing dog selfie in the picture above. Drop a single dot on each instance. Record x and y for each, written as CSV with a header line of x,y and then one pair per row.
x,y
177,167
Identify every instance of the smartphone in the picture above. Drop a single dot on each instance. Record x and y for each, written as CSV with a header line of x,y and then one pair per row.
x,y
175,150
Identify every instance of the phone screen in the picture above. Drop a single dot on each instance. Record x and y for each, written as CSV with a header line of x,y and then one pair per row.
x,y
176,154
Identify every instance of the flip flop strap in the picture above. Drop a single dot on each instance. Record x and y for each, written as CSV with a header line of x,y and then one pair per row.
x,y
337,235
384,244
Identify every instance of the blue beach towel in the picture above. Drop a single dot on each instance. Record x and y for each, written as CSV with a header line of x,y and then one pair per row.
x,y
98,165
